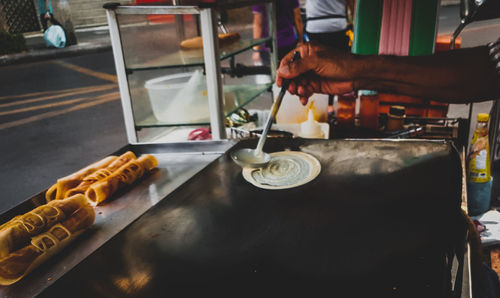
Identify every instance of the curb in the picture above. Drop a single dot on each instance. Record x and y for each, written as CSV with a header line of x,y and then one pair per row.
x,y
53,53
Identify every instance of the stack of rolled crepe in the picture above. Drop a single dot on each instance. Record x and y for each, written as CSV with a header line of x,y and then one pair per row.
x,y
125,175
28,240
126,166
197,42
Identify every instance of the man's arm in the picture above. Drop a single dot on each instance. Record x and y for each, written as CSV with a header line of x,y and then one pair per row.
x,y
350,6
258,21
258,29
456,76
299,26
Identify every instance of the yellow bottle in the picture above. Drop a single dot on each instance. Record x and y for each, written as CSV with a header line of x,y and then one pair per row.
x,y
478,168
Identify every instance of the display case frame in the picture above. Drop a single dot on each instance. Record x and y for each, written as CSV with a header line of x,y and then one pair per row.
x,y
207,12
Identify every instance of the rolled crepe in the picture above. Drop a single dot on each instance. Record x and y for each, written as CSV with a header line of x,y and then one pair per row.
x,y
126,175
68,182
122,159
17,232
50,195
100,174
148,161
197,42
89,180
17,264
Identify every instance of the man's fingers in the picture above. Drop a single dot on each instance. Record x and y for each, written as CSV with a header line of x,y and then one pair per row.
x,y
289,69
304,100
279,81
315,85
310,89
296,68
301,90
292,88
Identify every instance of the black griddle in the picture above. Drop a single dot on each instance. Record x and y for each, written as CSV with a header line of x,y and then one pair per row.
x,y
381,220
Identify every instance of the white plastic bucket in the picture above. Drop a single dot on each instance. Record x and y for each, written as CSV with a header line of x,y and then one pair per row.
x,y
292,111
168,107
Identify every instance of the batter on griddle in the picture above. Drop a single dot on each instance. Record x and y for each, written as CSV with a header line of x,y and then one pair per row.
x,y
286,169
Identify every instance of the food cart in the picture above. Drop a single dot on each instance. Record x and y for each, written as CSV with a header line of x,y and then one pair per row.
x,y
383,218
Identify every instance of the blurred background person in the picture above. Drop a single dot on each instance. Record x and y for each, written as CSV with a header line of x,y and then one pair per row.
x,y
289,29
46,14
327,22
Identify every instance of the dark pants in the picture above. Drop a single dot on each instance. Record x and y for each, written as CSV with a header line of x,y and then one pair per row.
x,y
337,40
266,58
52,20
285,50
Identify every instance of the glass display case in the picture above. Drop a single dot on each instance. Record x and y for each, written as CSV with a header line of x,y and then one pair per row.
x,y
177,68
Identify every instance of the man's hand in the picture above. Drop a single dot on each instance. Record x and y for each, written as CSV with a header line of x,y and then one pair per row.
x,y
47,15
319,70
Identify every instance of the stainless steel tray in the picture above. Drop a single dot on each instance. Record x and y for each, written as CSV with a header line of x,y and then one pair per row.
x,y
177,164
374,220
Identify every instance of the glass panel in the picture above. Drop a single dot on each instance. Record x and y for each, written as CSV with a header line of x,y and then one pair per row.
x,y
167,84
152,37
194,57
154,41
235,96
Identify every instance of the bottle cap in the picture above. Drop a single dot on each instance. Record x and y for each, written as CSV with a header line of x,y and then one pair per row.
x,y
397,111
483,117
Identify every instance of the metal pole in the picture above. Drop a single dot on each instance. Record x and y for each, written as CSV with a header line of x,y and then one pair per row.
x,y
494,124
116,44
208,19
272,30
468,125
179,23
466,19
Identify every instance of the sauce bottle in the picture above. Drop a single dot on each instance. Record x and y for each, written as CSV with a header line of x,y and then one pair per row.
x,y
368,109
479,180
395,118
346,110
478,169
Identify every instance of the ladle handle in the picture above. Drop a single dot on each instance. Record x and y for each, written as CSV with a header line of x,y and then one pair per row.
x,y
274,110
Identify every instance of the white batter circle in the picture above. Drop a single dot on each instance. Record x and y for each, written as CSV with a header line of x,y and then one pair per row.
x,y
287,169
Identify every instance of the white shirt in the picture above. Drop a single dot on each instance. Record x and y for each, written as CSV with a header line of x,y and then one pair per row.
x,y
320,8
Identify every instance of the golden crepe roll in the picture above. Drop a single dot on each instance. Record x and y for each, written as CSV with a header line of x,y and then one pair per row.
x,y
197,42
17,264
58,190
127,174
15,233
101,174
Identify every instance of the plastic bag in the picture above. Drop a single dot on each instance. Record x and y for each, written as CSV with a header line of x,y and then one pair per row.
x,y
55,37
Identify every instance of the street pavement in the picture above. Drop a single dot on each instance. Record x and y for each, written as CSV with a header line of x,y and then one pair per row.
x,y
60,108
90,40
56,116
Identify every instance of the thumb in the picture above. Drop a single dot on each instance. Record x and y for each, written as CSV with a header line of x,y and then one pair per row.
x,y
291,70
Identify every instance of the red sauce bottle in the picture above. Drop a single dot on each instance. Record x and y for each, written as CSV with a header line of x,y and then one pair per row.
x,y
346,110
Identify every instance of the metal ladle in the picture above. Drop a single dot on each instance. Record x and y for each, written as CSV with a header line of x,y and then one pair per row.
x,y
256,158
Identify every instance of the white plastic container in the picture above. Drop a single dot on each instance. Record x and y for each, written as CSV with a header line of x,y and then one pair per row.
x,y
311,129
293,112
179,98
